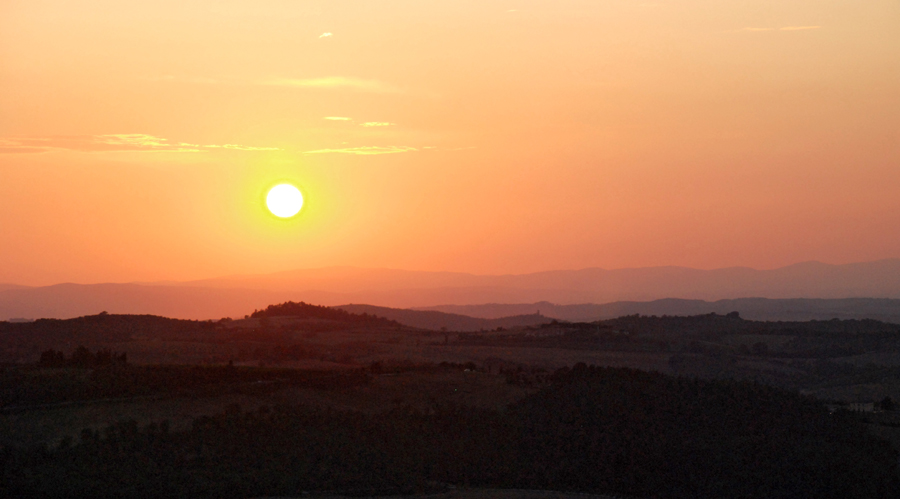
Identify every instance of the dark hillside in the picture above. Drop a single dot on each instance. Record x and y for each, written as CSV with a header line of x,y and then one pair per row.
x,y
435,321
810,339
652,435
613,431
25,341
726,334
103,327
712,324
761,309
307,311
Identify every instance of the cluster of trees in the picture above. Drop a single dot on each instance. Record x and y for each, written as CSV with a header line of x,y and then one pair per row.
x,y
519,375
807,339
83,357
277,349
25,386
575,336
701,334
459,366
308,311
592,430
712,325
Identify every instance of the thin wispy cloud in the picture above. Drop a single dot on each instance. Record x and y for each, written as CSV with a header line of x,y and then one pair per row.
x,y
798,28
324,83
376,123
140,140
325,35
365,150
335,82
188,79
23,146
136,142
238,147
785,28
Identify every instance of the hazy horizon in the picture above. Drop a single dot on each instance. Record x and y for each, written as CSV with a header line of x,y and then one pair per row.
x,y
234,296
450,272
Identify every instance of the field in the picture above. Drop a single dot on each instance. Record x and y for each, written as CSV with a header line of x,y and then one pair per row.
x,y
417,388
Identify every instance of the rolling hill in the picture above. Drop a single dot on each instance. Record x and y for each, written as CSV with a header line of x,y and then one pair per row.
x,y
693,290
436,320
763,309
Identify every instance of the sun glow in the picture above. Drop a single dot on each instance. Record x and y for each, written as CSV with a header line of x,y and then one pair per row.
x,y
284,200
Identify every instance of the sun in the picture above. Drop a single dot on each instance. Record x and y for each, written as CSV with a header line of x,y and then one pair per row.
x,y
284,200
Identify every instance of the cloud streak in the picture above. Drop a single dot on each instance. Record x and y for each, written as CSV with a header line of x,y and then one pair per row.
x,y
187,79
335,82
23,146
798,28
238,147
376,123
365,150
137,142
785,28
323,83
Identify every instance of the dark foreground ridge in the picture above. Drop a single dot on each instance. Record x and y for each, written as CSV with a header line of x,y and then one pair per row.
x,y
308,311
601,430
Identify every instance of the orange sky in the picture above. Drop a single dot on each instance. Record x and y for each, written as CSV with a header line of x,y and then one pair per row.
x,y
137,139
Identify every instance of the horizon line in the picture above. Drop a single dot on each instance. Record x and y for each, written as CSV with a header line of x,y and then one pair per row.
x,y
173,282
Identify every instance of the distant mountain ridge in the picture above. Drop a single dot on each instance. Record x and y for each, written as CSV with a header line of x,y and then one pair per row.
x,y
5,285
400,288
761,309
236,296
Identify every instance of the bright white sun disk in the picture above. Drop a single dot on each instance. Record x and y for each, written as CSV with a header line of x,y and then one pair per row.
x,y
284,200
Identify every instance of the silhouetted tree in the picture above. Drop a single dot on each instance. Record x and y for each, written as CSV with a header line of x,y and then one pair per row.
x,y
52,358
82,357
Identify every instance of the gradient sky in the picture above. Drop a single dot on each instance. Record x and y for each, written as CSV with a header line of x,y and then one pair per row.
x,y
137,139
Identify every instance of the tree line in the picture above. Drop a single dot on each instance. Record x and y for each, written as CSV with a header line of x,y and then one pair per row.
x,y
592,429
82,357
